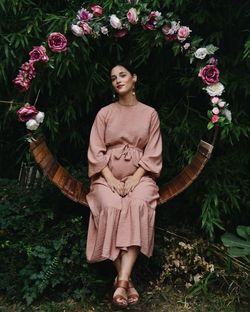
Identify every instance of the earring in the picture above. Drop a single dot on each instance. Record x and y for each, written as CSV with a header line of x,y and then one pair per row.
x,y
133,91
114,96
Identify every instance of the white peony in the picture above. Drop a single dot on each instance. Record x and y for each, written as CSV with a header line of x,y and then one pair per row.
x,y
227,113
77,30
215,89
115,22
39,117
201,53
32,124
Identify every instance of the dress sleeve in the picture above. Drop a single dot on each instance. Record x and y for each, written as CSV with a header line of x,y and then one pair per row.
x,y
151,159
97,158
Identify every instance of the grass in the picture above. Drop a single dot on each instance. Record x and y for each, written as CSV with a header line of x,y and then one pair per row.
x,y
168,299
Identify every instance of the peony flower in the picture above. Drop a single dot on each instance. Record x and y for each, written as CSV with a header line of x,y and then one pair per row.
x,y
32,124
215,118
186,45
39,117
215,100
227,113
86,28
22,83
84,15
26,113
121,33
215,89
77,30
132,16
209,74
97,10
221,104
104,30
115,22
215,110
201,53
28,70
183,33
38,54
57,42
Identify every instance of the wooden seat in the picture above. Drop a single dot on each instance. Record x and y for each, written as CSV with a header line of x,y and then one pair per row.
x,y
76,191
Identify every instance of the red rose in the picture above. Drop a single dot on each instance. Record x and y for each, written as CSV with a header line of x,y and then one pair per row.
x,y
209,74
57,42
26,113
38,54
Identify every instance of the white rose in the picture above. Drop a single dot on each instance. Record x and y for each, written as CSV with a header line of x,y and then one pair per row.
x,y
216,110
77,30
39,117
215,89
227,113
115,22
201,53
32,124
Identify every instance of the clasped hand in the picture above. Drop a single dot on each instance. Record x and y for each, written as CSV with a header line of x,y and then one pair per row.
x,y
123,187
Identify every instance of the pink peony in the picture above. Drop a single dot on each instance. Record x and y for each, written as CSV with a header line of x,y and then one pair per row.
x,y
97,10
57,42
22,83
209,74
26,113
121,33
215,118
38,54
28,70
183,33
86,28
132,16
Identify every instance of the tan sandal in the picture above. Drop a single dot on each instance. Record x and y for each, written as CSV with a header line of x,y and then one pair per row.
x,y
134,297
117,298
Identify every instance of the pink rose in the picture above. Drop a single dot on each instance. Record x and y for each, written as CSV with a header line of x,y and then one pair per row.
x,y
221,104
38,54
183,33
209,74
215,118
215,110
86,28
97,10
26,113
57,42
132,16
215,100
121,33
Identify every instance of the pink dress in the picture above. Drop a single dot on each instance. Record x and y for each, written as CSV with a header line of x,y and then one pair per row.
x,y
124,138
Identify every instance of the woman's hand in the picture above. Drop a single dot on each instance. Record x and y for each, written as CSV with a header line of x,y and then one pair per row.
x,y
116,185
130,184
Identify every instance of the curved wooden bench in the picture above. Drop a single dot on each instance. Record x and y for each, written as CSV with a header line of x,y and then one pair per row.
x,y
76,191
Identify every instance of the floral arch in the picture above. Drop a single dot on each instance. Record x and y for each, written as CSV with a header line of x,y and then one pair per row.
x,y
96,22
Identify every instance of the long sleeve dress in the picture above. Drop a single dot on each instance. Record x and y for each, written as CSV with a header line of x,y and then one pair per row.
x,y
123,138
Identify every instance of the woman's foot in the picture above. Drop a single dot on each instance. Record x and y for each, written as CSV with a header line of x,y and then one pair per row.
x,y
133,296
120,297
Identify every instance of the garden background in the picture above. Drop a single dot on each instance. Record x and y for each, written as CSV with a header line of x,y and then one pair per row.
x,y
43,234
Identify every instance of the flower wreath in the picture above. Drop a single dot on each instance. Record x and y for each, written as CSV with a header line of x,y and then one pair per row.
x,y
95,21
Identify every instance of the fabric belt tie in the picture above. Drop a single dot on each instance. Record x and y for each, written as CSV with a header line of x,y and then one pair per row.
x,y
126,151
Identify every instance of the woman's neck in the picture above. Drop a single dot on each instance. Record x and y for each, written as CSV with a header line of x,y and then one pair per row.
x,y
128,99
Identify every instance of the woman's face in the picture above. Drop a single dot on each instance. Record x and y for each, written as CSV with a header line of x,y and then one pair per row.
x,y
122,80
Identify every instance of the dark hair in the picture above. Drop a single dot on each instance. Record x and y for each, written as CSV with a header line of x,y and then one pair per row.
x,y
126,64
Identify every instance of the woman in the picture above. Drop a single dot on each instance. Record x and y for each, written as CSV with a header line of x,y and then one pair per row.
x,y
125,158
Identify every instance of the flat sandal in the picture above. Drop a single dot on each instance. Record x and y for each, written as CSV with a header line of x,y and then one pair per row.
x,y
121,284
132,296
